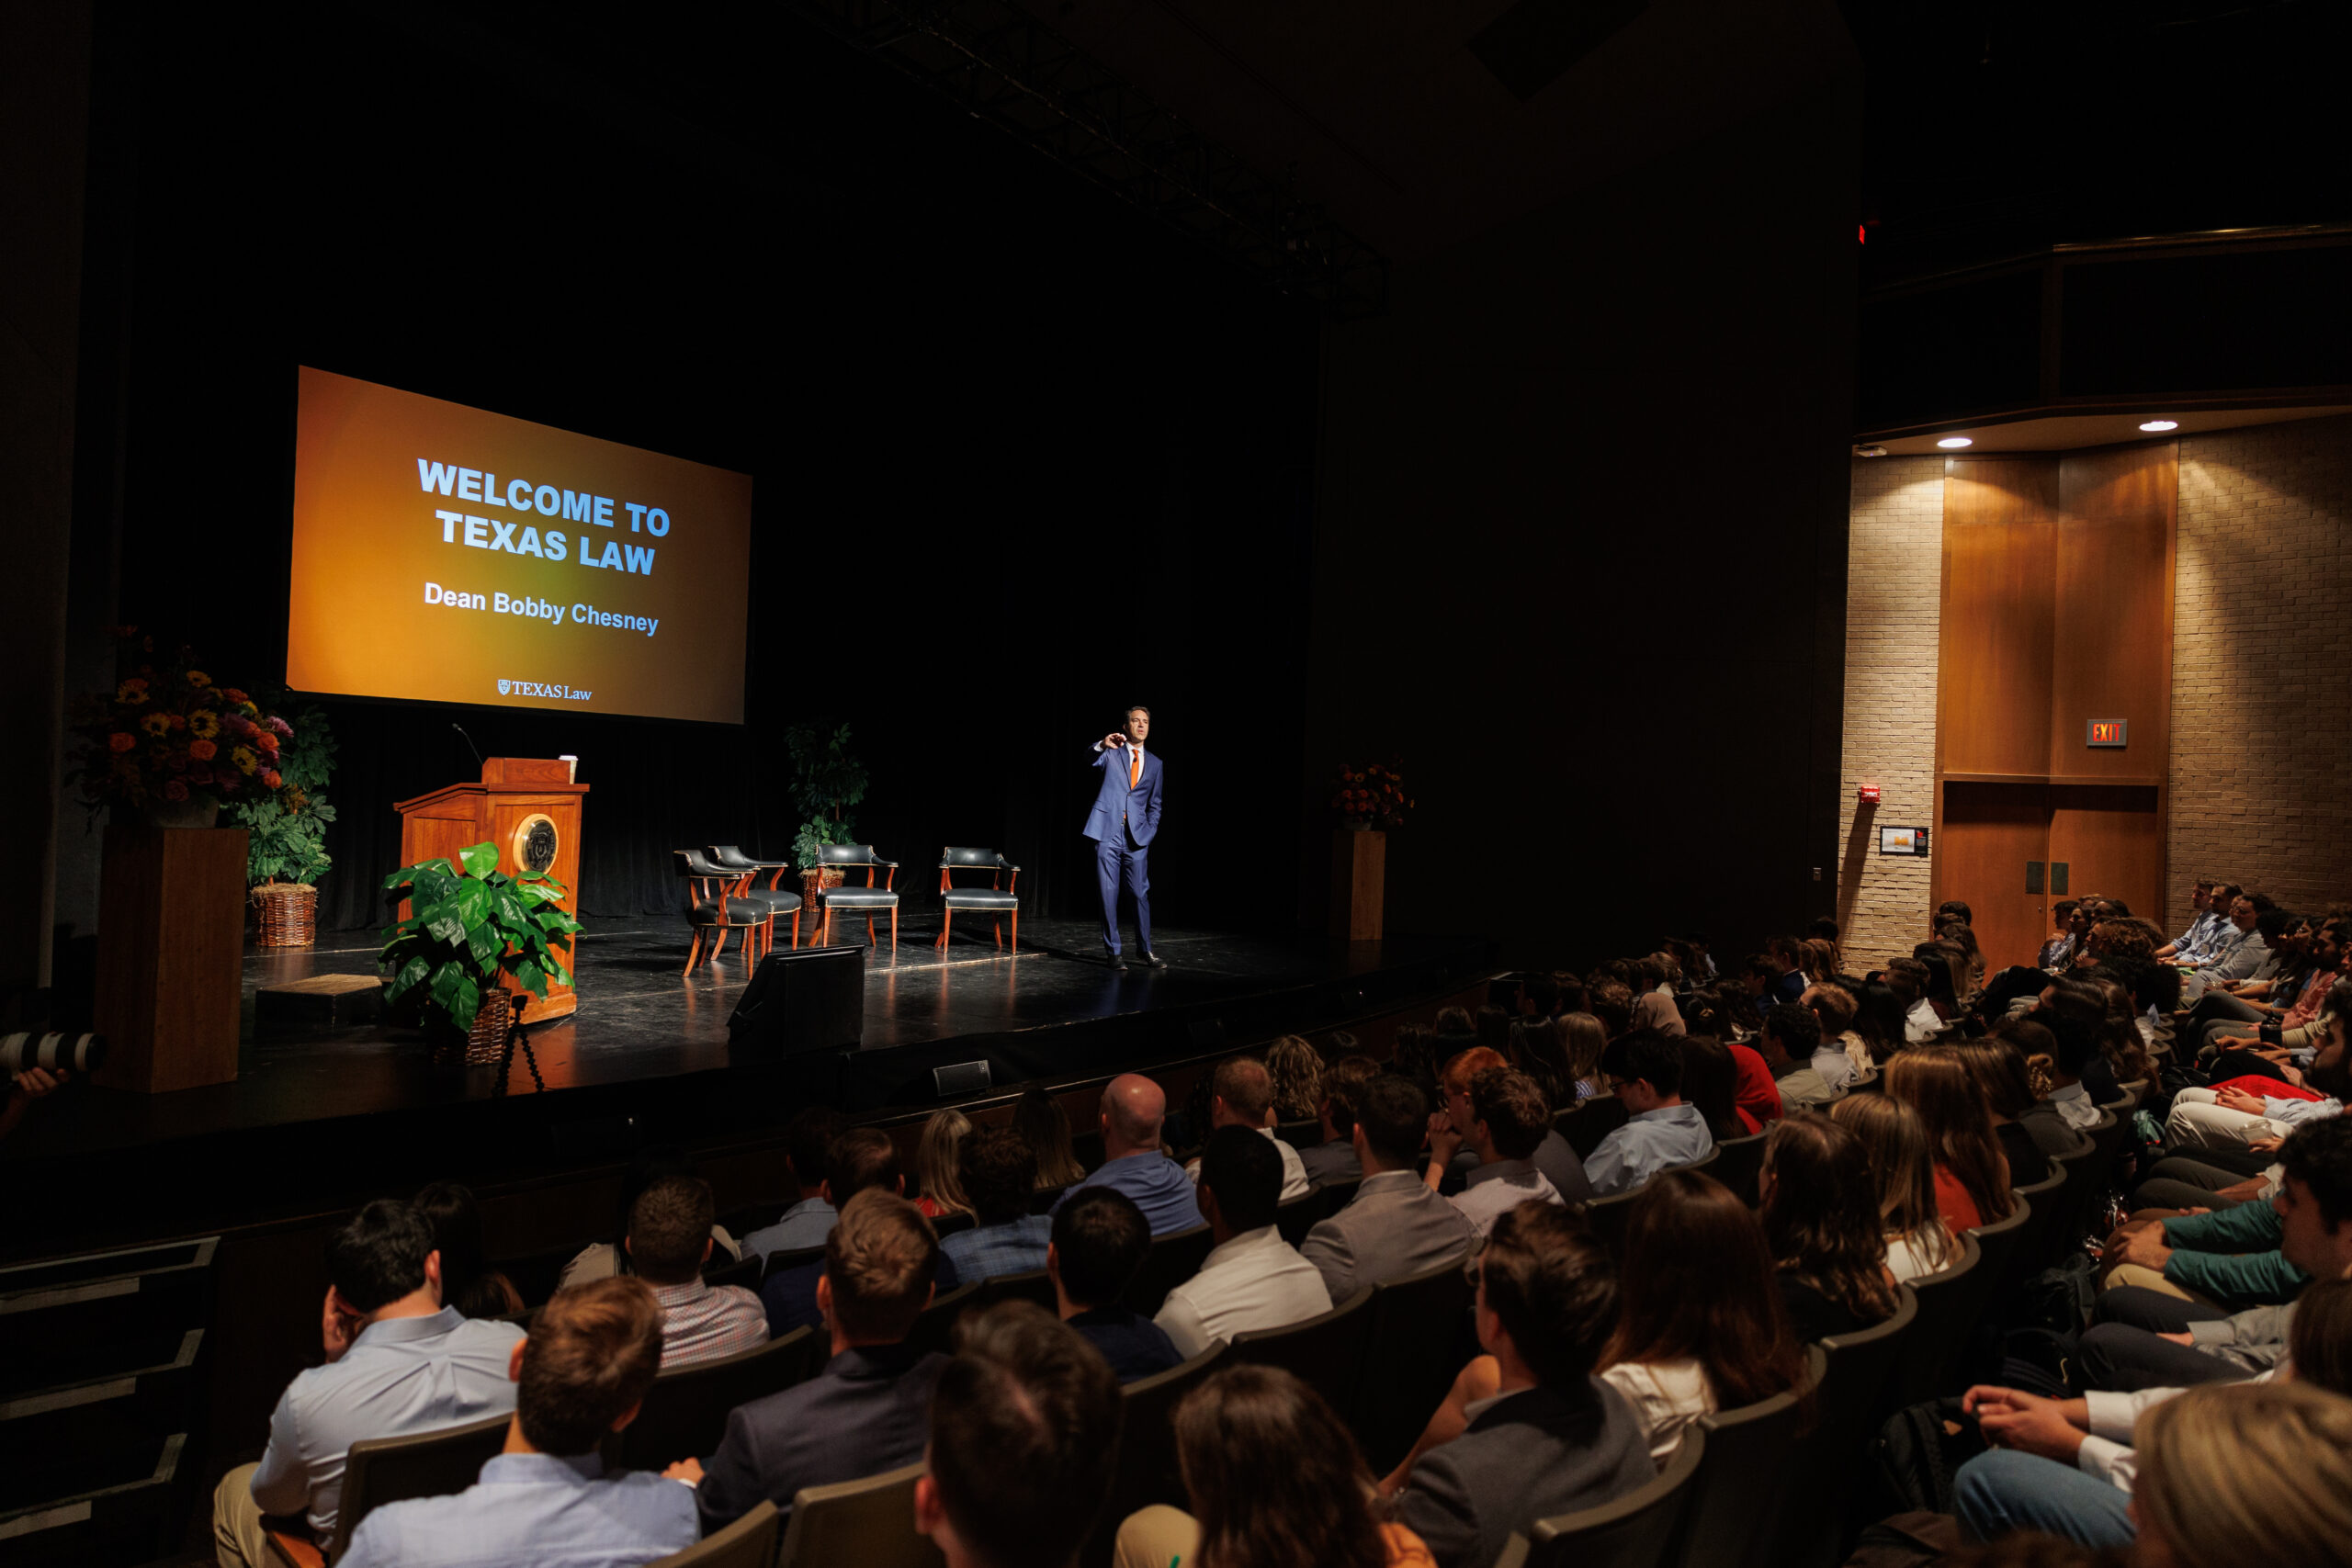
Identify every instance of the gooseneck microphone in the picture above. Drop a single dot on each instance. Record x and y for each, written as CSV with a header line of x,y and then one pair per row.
x,y
469,743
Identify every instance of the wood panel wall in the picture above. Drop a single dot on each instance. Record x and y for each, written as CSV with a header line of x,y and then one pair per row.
x,y
1993,695
2113,652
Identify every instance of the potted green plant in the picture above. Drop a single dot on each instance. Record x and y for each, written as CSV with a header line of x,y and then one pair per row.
x,y
287,836
826,781
468,926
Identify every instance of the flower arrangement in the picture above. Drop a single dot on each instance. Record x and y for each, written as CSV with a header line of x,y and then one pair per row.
x,y
168,739
1372,796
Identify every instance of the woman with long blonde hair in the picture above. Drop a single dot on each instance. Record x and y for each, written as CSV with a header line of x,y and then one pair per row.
x,y
939,1192
1895,1141
1972,1178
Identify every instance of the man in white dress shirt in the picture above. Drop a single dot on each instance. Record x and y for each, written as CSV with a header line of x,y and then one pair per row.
x,y
1252,1279
1242,1095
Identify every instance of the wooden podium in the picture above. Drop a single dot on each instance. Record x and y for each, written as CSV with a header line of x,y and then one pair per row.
x,y
529,807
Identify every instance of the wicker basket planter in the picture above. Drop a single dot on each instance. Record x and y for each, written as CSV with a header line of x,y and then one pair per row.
x,y
486,1042
286,914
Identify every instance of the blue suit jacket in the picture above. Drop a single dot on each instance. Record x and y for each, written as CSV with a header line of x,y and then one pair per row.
x,y
1141,803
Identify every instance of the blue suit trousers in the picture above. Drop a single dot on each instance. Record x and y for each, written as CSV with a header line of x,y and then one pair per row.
x,y
1118,861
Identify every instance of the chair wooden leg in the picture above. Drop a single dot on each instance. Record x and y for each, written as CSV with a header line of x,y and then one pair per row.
x,y
694,954
999,923
720,945
946,917
869,932
1016,930
894,930
796,930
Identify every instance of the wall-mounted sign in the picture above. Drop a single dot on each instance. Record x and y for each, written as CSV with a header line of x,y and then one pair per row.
x,y
2107,732
1903,841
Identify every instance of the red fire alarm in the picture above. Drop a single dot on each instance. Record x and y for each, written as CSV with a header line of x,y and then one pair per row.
x,y
1867,794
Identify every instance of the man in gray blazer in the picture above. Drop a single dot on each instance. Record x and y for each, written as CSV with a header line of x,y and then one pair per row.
x,y
1395,1227
1554,1438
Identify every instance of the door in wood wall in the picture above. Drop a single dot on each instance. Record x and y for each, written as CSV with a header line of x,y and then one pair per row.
x,y
1992,833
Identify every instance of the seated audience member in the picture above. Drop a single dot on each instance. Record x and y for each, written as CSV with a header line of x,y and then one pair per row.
x,y
2231,1119
397,1362
1788,956
1581,1041
545,1501
1025,1429
2061,945
1536,1050
1704,1328
1415,1057
669,1241
1691,950
939,1192
2241,1477
1644,1070
1971,1178
1910,980
468,1281
1843,1058
999,1170
2295,1034
1133,1163
2066,1467
2040,1118
1903,1169
1508,1119
1100,1238
1396,1225
1554,1155
1456,1032
2161,1338
862,1159
807,1147
1791,1034
1334,1159
1710,1087
865,1413
1817,956
2075,1013
2241,951
1296,1068
603,1259
1759,981
1654,998
1821,1220
1878,1019
1547,1436
1273,1478
1241,1094
1039,1117
1999,1070
1252,1278
1612,1001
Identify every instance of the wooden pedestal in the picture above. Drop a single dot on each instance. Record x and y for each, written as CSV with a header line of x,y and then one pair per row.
x,y
1359,872
170,954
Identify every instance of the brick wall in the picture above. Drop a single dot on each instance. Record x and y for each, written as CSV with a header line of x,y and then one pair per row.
x,y
1895,576
2262,663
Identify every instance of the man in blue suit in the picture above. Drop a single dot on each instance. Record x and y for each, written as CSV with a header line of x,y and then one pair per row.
x,y
1125,820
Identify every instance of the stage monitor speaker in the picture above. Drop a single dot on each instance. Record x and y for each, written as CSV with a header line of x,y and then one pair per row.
x,y
811,999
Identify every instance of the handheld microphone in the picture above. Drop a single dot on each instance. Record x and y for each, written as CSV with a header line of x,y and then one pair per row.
x,y
469,743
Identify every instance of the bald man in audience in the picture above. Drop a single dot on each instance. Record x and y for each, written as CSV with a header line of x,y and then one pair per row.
x,y
1134,1164
1242,1095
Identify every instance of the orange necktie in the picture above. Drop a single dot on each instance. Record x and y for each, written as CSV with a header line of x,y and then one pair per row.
x,y
1135,767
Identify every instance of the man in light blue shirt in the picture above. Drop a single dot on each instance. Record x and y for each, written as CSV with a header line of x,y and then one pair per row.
x,y
999,1172
545,1501
808,1149
1132,1108
1644,1068
397,1362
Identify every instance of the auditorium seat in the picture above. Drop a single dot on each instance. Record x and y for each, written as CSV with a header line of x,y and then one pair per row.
x,y
1174,1258
684,1412
1041,1201
749,1542
2087,1175
1337,1195
1585,1125
1300,1134
2033,1253
997,901
870,1523
1037,1285
1301,1214
422,1464
726,1270
1845,1417
934,1328
1147,1470
1607,1217
946,1225
1326,1351
1417,1341
1631,1531
790,1258
1745,1476
1739,1165
869,899
1946,1298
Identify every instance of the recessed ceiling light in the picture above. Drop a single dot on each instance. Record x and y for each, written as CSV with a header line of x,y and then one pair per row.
x,y
1951,441
2160,424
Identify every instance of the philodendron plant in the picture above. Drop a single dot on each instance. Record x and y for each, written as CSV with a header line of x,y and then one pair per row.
x,y
467,927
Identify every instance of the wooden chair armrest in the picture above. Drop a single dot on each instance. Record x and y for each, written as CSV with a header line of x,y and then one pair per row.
x,y
292,1539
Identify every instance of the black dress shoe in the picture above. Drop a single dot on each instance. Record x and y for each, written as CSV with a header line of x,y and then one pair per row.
x,y
1117,961
1153,960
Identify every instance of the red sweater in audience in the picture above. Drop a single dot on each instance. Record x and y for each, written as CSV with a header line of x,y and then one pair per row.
x,y
1952,1201
1756,1094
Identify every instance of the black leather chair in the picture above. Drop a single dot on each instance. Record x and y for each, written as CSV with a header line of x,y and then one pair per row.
x,y
725,1270
1845,1415
1147,1470
749,1542
2031,1254
1631,1531
714,910
1945,1298
868,900
1585,1125
1037,1285
995,900
378,1470
869,1522
793,1258
1301,1214
1733,1512
684,1413
1325,1352
1739,1165
934,1328
1174,1258
779,899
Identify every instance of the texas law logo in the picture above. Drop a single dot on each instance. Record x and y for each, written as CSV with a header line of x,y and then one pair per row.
x,y
549,689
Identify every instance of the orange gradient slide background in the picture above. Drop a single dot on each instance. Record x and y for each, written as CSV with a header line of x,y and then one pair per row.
x,y
367,541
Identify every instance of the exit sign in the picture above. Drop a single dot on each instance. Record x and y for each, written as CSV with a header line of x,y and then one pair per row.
x,y
2109,732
